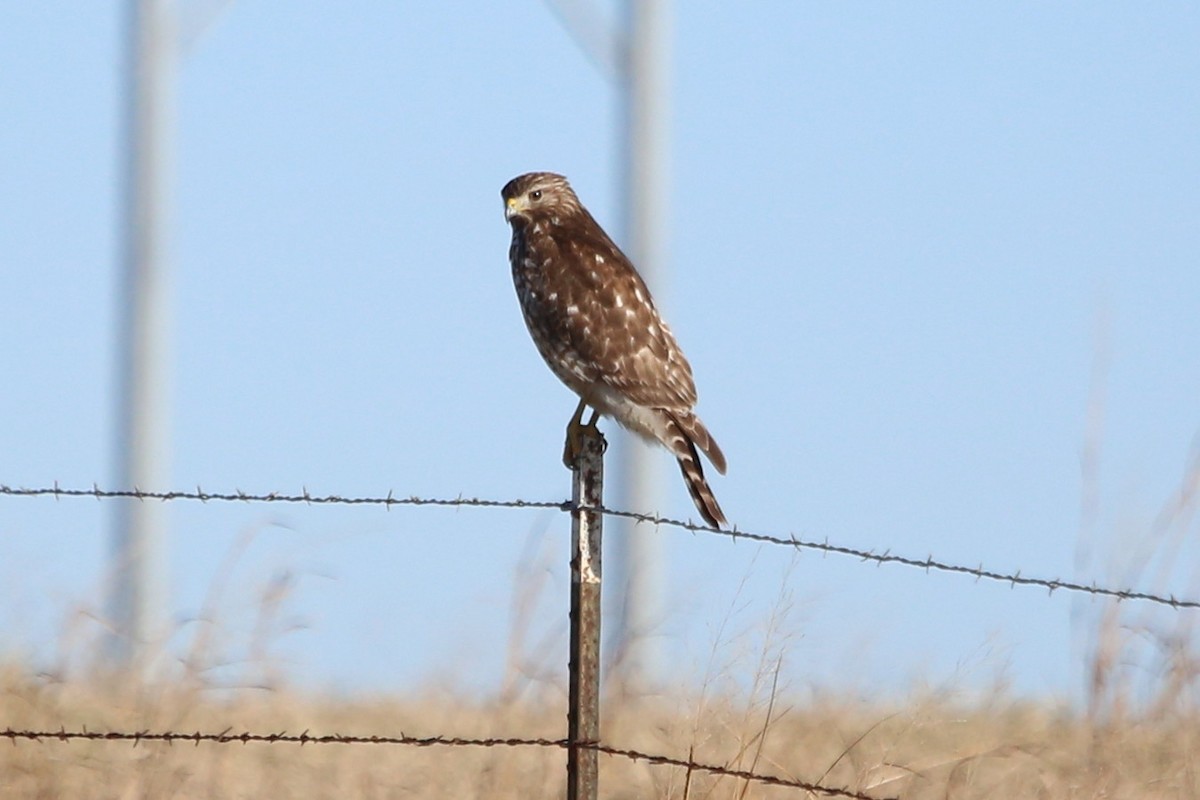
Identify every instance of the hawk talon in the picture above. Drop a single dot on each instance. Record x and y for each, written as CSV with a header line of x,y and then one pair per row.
x,y
575,434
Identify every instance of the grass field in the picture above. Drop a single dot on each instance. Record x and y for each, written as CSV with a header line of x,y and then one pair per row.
x,y
924,748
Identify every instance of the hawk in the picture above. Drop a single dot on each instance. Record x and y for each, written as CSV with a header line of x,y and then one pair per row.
x,y
593,321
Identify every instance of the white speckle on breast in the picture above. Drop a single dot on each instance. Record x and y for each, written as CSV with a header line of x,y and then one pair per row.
x,y
552,296
620,302
537,227
572,310
599,258
638,294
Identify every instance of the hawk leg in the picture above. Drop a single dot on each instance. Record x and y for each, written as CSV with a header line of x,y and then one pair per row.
x,y
575,434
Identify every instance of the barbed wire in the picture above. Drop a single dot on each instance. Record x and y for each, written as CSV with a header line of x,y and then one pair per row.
x,y
227,736
238,496
928,564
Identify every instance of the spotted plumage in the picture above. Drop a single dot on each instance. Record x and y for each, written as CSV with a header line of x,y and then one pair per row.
x,y
594,322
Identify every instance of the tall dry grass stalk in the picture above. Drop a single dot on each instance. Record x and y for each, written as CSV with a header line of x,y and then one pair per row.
x,y
1142,662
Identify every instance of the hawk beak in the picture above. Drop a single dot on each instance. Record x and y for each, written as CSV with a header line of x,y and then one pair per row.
x,y
512,208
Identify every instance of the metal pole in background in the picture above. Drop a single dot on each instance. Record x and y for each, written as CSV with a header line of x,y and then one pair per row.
x,y
640,550
634,55
138,597
583,701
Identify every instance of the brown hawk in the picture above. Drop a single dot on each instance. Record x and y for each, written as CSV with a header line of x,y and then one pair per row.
x,y
594,322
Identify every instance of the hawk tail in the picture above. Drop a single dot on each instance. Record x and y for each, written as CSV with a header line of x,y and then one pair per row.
x,y
683,434
694,429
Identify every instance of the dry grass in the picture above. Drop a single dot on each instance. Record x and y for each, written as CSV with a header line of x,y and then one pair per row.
x,y
928,748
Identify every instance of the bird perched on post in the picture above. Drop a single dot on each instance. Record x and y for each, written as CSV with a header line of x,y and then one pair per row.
x,y
593,320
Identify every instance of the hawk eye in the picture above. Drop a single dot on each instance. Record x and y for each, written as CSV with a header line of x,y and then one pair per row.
x,y
536,194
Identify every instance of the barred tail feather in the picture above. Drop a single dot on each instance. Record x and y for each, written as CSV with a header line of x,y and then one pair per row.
x,y
701,494
695,431
683,446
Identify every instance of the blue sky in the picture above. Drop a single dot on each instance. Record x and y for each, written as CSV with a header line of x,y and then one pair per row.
x,y
901,237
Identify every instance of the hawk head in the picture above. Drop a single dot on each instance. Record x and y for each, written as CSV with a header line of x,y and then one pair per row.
x,y
538,194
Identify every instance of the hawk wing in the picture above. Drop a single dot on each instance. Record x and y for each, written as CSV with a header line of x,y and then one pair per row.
x,y
611,322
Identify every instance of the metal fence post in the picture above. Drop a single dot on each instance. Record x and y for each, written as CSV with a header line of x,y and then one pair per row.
x,y
583,712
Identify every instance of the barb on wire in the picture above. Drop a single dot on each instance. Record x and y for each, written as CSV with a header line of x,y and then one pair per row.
x,y
928,564
228,736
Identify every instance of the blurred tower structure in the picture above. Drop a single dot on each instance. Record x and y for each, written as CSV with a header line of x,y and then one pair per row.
x,y
635,55
640,554
138,576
